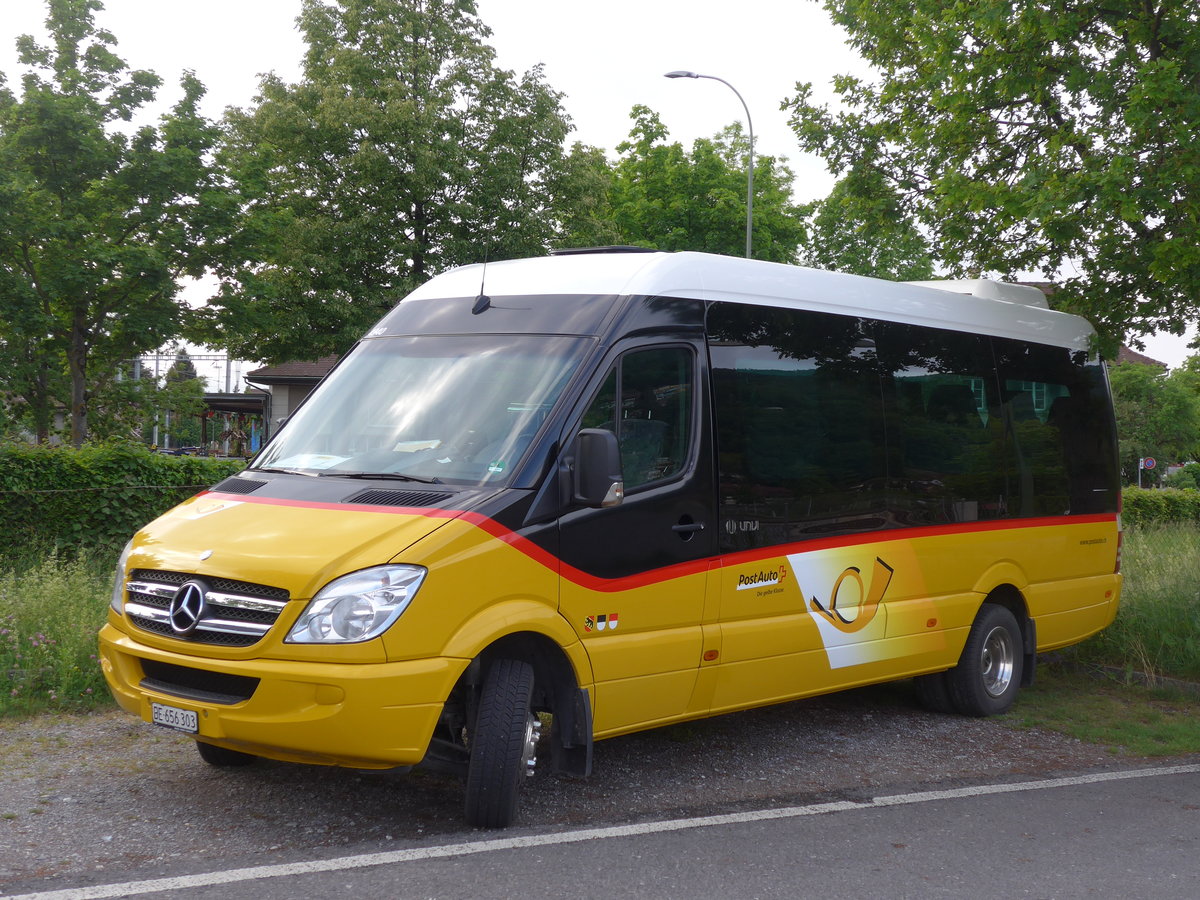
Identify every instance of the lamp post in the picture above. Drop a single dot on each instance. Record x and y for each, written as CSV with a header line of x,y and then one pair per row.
x,y
681,73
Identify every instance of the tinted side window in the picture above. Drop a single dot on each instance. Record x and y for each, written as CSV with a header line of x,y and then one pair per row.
x,y
646,400
831,424
800,427
1058,412
948,444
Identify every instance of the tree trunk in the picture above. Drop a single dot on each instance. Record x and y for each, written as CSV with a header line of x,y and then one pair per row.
x,y
418,249
77,363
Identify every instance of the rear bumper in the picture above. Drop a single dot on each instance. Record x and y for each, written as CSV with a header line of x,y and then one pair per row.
x,y
363,716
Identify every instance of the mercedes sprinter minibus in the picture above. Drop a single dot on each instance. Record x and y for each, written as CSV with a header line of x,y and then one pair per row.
x,y
610,491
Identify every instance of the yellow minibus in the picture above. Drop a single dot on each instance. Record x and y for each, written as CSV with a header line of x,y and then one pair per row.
x,y
612,490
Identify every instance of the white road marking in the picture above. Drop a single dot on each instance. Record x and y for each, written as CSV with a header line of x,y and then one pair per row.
x,y
283,870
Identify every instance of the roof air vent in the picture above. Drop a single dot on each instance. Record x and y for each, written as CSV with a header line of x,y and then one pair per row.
x,y
1025,294
579,251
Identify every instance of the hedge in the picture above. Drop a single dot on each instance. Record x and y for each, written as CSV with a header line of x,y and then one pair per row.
x,y
1153,507
94,497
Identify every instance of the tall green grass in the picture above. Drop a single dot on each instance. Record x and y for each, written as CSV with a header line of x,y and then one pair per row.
x,y
1157,631
50,610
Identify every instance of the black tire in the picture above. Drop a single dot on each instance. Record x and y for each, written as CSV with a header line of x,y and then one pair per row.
x,y
501,744
933,692
223,758
988,674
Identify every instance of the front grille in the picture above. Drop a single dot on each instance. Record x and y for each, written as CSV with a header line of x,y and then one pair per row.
x,y
197,684
233,613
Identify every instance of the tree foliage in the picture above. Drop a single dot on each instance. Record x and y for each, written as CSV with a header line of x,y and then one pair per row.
x,y
662,196
402,151
1050,136
1186,479
1158,416
863,228
96,224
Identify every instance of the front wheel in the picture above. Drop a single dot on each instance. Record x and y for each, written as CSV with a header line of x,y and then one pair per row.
x,y
988,673
503,744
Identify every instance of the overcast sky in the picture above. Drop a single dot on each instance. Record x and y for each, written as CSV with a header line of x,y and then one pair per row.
x,y
604,56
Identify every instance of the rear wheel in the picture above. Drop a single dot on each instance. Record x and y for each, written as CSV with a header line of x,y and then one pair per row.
x,y
223,758
988,673
503,744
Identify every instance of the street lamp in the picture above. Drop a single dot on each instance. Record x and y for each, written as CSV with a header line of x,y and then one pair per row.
x,y
681,73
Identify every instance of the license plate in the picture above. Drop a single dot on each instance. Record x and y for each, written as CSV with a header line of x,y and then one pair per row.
x,y
174,717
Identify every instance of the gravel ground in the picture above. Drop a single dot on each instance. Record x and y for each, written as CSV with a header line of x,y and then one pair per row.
x,y
107,797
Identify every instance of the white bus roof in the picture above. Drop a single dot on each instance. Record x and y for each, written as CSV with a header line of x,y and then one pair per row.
x,y
706,276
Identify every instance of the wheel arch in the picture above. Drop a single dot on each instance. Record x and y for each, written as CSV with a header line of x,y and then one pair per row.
x,y
527,626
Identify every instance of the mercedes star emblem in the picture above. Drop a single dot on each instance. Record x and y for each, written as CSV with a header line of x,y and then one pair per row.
x,y
187,608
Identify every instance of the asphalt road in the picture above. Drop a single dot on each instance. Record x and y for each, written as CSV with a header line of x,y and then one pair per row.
x,y
1115,834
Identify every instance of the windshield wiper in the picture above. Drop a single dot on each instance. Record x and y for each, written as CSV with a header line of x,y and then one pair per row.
x,y
281,471
380,476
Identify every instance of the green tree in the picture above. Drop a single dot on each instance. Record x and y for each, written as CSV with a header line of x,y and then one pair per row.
x,y
131,406
121,407
95,224
862,227
402,151
182,369
180,401
661,196
1157,416
1053,136
1186,479
583,188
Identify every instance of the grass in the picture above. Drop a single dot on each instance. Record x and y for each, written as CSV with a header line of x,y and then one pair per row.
x,y
1126,718
1135,687
50,610
1157,631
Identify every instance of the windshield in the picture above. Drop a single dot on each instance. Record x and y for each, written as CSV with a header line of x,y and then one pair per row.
x,y
444,410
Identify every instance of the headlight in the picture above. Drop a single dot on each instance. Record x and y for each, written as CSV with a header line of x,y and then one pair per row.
x,y
357,607
118,592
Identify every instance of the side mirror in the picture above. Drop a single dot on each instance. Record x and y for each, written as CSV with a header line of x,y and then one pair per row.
x,y
597,480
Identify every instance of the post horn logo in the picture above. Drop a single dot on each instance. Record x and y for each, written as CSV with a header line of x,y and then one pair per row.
x,y
864,600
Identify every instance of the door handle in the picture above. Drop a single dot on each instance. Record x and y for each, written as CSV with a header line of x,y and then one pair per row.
x,y
687,527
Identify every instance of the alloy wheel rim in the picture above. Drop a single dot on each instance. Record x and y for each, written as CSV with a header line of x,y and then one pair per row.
x,y
997,660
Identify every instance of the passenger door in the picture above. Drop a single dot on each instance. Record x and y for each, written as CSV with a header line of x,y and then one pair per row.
x,y
634,576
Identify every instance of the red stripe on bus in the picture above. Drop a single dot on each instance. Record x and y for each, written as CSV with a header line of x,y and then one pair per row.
x,y
691,567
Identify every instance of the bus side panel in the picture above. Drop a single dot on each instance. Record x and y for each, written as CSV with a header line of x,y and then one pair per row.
x,y
858,610
1066,612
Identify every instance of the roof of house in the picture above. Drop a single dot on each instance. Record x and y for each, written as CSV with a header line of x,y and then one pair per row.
x,y
299,372
1129,355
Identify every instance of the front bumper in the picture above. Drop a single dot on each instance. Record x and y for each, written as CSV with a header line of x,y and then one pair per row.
x,y
370,716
